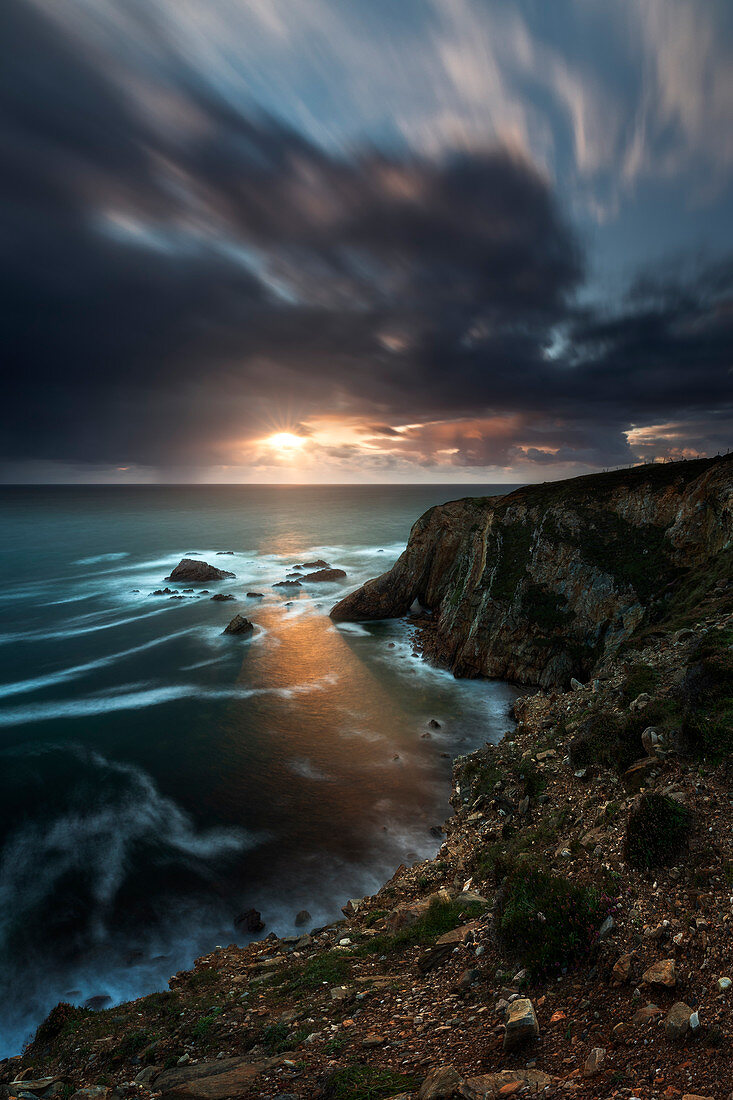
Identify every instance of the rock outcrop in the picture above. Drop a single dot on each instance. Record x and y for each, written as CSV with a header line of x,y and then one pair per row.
x,y
239,625
547,582
197,572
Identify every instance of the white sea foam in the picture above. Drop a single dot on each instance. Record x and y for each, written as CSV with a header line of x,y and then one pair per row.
x,y
136,696
21,687
101,557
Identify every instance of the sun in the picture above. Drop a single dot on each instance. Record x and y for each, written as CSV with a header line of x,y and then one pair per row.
x,y
285,441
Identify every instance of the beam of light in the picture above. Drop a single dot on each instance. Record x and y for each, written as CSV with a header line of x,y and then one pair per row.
x,y
285,441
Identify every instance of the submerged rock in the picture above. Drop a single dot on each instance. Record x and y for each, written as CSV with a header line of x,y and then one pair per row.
x,y
198,572
250,920
325,575
239,625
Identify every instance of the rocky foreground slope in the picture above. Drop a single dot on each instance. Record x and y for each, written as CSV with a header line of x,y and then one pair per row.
x,y
543,584
571,938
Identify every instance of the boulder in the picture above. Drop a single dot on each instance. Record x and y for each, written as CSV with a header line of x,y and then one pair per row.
x,y
255,595
521,1023
197,572
677,1023
302,918
441,1083
490,1086
239,625
325,575
640,702
223,1079
318,564
661,973
221,596
286,584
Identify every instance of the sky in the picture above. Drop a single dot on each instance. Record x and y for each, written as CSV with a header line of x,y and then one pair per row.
x,y
363,240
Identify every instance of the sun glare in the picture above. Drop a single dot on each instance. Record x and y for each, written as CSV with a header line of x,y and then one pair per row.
x,y
285,441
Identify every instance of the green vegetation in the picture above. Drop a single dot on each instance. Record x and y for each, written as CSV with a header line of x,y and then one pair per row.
x,y
495,861
331,968
657,832
62,1019
204,1024
615,742
546,921
360,1082
440,917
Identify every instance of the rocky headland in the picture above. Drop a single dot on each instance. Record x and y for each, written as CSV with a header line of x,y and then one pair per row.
x,y
572,935
547,582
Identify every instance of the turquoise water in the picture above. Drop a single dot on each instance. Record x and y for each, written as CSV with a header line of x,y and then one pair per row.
x,y
156,777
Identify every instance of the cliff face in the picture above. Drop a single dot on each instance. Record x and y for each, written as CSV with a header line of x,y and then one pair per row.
x,y
546,582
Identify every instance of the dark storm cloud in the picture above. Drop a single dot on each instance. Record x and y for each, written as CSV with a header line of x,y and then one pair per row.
x,y
174,265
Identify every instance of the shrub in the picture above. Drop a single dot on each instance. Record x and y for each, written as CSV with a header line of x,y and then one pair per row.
x,y
707,696
545,921
61,1018
656,832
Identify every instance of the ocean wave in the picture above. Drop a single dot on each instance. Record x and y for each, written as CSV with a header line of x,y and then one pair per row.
x,y
69,871
137,696
37,683
101,557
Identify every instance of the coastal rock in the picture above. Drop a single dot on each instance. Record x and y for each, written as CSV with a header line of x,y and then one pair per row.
x,y
543,584
302,918
521,1023
286,584
325,575
239,625
318,564
222,596
197,572
255,595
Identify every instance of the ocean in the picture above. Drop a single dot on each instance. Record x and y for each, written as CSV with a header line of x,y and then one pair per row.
x,y
158,778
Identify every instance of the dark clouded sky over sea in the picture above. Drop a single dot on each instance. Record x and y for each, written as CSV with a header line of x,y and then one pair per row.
x,y
363,240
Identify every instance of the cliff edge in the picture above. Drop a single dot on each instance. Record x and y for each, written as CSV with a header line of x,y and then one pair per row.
x,y
549,581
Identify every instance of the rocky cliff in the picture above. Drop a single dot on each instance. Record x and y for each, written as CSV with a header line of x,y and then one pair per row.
x,y
548,581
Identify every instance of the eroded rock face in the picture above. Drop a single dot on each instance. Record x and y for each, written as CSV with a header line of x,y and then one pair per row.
x,y
544,583
197,572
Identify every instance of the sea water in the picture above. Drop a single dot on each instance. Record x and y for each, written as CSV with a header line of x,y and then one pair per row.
x,y
158,777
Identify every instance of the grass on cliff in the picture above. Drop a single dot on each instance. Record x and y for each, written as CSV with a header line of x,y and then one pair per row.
x,y
441,917
546,922
362,1082
329,968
